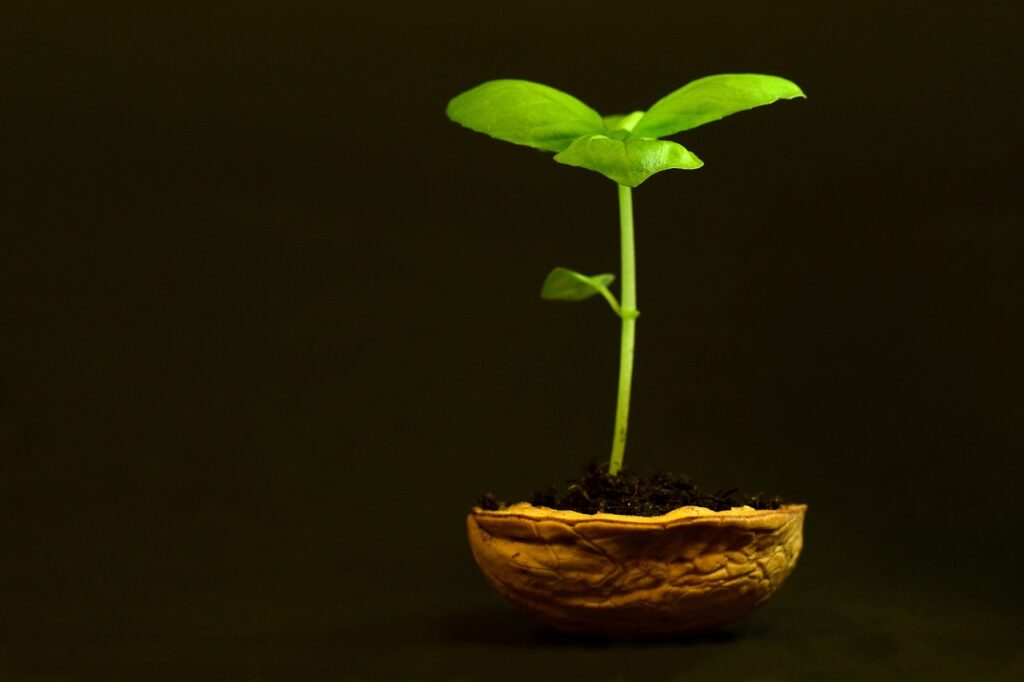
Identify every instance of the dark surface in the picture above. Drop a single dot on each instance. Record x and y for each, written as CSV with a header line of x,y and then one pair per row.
x,y
270,324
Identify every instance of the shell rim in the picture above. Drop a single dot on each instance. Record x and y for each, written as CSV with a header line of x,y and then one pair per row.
x,y
527,512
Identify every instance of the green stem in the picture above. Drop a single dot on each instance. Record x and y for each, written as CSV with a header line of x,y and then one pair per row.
x,y
629,315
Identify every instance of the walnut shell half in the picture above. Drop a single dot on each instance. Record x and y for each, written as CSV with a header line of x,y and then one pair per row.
x,y
687,571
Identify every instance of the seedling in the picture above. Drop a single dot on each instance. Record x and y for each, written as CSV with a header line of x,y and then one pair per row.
x,y
624,148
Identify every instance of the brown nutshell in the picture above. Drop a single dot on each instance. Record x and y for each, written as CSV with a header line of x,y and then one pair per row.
x,y
687,571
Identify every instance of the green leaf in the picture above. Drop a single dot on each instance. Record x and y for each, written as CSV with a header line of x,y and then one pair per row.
x,y
627,162
711,98
563,284
525,113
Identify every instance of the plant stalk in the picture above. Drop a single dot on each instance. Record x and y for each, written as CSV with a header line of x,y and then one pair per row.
x,y
628,340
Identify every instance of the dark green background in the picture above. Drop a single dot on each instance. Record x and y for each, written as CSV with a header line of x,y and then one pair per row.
x,y
269,324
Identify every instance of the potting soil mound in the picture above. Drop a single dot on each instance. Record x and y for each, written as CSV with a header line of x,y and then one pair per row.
x,y
639,495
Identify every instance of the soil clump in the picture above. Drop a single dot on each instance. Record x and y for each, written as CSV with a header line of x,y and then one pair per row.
x,y
637,494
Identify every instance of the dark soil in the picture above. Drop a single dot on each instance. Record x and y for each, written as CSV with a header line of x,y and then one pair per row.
x,y
640,495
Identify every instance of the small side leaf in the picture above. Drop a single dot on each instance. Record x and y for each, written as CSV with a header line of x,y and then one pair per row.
x,y
711,98
627,162
525,113
563,284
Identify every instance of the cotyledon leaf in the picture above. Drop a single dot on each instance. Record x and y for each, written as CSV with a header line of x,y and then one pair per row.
x,y
711,98
624,148
563,284
628,162
527,113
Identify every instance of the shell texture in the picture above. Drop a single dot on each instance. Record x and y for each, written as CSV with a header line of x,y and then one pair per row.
x,y
612,575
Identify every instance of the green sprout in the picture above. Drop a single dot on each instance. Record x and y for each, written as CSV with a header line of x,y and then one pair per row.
x,y
624,148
